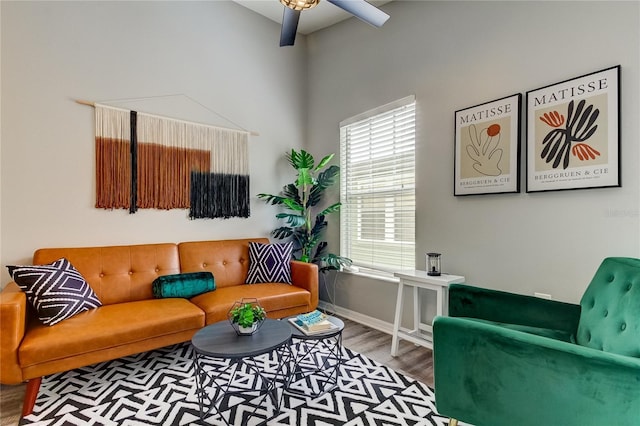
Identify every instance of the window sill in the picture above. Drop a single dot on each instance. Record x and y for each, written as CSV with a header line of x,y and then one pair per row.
x,y
373,274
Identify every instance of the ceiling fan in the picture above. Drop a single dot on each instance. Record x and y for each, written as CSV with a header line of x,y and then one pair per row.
x,y
358,8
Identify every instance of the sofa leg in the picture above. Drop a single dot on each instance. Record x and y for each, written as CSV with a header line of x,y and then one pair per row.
x,y
453,422
33,386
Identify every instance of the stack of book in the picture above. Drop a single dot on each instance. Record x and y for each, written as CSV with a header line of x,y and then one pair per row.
x,y
313,322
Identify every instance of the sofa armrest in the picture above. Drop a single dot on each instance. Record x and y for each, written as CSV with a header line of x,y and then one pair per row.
x,y
490,375
305,275
500,306
13,319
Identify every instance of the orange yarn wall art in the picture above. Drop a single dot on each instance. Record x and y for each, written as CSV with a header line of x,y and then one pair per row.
x,y
146,161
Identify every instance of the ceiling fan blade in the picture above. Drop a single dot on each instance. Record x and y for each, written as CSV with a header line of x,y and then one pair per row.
x,y
363,10
290,20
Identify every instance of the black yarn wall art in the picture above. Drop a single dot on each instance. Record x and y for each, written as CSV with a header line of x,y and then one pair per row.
x,y
146,161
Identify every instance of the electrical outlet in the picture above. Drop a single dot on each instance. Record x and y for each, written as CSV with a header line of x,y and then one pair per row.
x,y
542,295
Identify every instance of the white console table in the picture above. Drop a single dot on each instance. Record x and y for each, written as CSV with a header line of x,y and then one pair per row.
x,y
421,334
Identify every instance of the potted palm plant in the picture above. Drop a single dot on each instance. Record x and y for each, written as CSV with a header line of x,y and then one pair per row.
x,y
246,316
305,218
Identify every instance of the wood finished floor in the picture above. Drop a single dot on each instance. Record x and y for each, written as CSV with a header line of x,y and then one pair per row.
x,y
412,361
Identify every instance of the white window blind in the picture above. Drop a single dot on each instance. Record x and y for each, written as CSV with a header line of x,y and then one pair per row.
x,y
377,182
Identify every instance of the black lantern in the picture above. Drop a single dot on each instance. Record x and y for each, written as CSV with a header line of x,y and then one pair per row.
x,y
433,264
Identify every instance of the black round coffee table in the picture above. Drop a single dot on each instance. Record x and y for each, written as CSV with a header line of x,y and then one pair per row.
x,y
220,355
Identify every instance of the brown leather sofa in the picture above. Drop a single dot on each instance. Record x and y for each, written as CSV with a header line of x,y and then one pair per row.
x,y
131,320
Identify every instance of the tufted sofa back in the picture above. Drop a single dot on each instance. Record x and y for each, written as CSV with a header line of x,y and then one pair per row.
x,y
118,273
124,273
610,308
227,260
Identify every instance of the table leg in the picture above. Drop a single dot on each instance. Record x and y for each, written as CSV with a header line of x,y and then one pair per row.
x,y
416,311
325,371
209,380
211,393
398,318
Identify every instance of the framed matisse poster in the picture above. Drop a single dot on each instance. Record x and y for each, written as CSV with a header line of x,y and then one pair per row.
x,y
487,147
573,136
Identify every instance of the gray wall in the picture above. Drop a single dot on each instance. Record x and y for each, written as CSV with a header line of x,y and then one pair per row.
x,y
454,55
218,53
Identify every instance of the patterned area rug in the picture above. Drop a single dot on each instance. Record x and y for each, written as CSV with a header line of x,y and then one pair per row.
x,y
159,388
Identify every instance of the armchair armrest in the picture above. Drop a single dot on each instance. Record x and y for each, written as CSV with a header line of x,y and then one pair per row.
x,y
13,319
305,275
500,306
490,375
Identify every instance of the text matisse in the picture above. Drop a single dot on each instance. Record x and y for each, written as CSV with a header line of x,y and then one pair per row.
x,y
484,114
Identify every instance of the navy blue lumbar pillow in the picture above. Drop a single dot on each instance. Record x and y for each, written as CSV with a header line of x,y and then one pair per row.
x,y
183,285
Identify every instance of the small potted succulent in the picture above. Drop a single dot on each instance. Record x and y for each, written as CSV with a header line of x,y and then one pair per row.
x,y
246,316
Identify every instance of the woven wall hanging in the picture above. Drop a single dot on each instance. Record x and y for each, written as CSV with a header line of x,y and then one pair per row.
x,y
147,161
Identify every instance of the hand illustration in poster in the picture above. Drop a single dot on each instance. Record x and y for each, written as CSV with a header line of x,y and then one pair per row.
x,y
561,142
484,149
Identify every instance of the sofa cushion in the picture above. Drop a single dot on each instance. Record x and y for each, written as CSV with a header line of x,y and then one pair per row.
x,y
269,263
609,319
183,285
273,297
108,327
57,291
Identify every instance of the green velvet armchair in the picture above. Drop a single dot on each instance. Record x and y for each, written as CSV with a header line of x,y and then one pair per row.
x,y
514,360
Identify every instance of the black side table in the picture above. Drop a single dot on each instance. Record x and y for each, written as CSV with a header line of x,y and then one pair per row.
x,y
317,360
219,357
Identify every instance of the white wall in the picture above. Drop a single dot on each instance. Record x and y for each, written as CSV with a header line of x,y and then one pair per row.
x,y
454,55
218,53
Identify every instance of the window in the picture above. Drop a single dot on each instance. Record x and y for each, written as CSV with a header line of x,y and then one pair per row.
x,y
377,187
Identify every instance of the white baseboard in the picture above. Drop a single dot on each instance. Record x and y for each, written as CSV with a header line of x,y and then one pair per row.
x,y
385,327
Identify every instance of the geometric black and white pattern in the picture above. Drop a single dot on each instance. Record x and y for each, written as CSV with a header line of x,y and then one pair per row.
x,y
57,291
159,388
269,263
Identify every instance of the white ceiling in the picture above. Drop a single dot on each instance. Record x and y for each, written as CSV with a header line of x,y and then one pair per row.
x,y
321,16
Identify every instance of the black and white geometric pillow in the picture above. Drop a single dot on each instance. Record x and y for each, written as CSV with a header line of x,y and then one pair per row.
x,y
57,291
269,263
